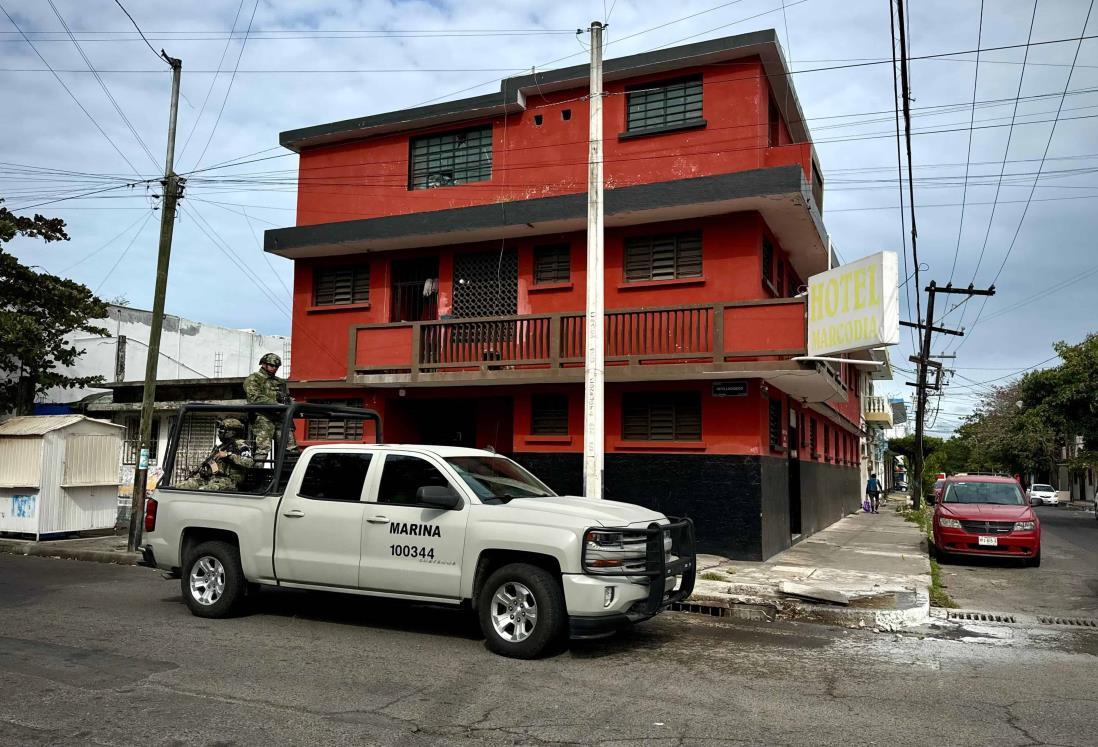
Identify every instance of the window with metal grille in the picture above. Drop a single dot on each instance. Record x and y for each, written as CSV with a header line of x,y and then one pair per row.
x,y
812,438
663,257
827,443
768,261
339,285
450,158
133,437
552,264
775,419
549,415
663,105
334,429
661,416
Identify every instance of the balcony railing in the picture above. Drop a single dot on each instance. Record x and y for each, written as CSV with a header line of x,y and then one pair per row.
x,y
877,410
704,333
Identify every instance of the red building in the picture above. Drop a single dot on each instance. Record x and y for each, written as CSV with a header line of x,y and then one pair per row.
x,y
439,258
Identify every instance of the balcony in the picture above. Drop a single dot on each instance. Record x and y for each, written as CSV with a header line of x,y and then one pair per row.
x,y
878,411
752,339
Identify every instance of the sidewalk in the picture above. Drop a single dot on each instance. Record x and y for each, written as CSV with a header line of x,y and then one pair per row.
x,y
104,549
866,570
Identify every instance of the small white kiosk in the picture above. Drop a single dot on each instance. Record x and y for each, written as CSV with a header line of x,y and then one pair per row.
x,y
58,473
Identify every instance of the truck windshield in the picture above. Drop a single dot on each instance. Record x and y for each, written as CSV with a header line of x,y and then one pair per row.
x,y
498,478
1000,493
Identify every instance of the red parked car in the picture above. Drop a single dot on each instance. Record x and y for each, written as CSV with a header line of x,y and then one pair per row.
x,y
983,515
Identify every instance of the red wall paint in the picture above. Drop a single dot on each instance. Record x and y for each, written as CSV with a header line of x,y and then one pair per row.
x,y
369,178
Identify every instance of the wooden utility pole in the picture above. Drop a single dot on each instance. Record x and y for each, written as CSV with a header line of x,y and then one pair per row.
x,y
172,185
924,363
594,365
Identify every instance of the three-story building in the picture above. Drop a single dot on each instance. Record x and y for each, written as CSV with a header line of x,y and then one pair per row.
x,y
440,255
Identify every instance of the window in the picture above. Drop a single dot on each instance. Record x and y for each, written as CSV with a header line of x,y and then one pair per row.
x,y
812,438
339,285
334,429
549,415
133,436
775,424
768,261
663,257
661,417
651,107
404,476
773,130
827,443
335,477
450,158
552,264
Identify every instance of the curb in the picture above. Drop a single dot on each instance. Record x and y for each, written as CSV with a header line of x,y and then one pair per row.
x,y
758,602
42,550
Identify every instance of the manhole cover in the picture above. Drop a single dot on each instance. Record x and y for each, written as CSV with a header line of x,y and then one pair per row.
x,y
1076,621
980,616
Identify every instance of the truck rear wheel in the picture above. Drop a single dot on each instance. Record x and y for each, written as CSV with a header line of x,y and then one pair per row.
x,y
521,610
212,580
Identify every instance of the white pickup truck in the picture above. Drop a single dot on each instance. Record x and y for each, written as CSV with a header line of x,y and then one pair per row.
x,y
438,524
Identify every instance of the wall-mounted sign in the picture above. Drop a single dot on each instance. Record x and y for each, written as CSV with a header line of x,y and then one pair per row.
x,y
854,307
729,388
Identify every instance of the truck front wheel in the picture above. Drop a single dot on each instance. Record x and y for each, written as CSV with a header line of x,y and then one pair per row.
x,y
521,609
212,580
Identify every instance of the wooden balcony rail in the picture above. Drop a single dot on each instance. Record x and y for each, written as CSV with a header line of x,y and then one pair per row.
x,y
686,334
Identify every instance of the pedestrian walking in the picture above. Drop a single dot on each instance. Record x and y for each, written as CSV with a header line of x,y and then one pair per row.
x,y
873,492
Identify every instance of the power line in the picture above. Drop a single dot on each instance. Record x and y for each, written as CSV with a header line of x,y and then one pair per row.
x,y
139,31
70,93
968,156
229,89
103,85
1044,155
123,255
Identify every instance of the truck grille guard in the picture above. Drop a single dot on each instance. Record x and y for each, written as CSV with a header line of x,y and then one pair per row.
x,y
669,551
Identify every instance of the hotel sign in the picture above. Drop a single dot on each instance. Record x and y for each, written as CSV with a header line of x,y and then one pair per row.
x,y
854,307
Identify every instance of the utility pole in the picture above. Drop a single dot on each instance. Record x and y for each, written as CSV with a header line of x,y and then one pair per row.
x,y
172,185
924,363
594,374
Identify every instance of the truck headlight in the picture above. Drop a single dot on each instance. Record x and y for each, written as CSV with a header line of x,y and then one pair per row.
x,y
949,523
604,541
613,552
1024,526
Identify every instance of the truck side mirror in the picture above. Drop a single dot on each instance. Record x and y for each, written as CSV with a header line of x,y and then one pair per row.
x,y
439,496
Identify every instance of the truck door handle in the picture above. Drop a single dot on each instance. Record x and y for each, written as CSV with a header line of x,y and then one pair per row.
x,y
378,520
295,513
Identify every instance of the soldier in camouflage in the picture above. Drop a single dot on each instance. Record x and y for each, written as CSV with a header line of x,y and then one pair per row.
x,y
228,463
264,388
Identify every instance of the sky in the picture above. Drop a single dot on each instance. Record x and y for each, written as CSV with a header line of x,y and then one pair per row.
x,y
1024,218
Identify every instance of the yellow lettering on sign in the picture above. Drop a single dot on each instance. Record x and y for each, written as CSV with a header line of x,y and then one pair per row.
x,y
831,302
859,289
817,294
844,283
874,291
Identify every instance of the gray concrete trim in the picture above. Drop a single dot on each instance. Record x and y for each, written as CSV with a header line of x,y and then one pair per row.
x,y
781,180
513,91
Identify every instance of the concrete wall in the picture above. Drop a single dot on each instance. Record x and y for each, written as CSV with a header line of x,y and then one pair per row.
x,y
188,350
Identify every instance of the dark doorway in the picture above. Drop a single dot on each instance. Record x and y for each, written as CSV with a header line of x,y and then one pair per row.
x,y
415,290
439,422
794,477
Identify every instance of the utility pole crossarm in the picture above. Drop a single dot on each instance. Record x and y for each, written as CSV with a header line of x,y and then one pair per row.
x,y
940,330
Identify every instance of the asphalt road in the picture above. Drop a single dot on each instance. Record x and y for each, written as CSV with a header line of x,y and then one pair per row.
x,y
108,655
1065,584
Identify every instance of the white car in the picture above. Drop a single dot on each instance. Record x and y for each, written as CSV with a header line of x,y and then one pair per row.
x,y
1043,494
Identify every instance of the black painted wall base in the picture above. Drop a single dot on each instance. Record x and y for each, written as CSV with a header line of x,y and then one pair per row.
x,y
739,504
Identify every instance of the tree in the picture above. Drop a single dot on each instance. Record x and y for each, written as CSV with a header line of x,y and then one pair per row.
x,y
37,310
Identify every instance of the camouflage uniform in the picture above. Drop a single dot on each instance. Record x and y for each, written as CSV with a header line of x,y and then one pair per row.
x,y
263,389
222,474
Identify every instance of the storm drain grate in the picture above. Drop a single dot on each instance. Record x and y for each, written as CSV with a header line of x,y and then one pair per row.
x,y
701,609
1085,622
981,617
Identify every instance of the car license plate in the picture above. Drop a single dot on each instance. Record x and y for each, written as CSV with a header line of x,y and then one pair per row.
x,y
992,541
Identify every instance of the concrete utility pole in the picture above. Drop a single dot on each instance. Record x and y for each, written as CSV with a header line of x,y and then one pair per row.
x,y
924,363
172,189
594,366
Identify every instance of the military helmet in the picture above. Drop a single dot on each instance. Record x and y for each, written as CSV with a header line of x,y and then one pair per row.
x,y
229,427
270,359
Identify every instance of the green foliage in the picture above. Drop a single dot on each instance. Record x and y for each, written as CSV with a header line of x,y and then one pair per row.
x,y
37,310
